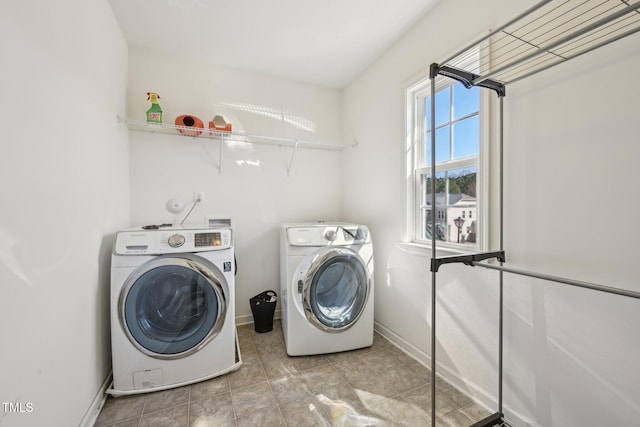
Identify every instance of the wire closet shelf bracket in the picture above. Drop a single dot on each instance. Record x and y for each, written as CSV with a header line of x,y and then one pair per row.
x,y
548,34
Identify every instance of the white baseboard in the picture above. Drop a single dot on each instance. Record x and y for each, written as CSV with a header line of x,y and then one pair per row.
x,y
404,345
479,395
92,413
248,318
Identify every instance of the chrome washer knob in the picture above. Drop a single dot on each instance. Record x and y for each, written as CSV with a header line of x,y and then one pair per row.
x,y
330,235
176,240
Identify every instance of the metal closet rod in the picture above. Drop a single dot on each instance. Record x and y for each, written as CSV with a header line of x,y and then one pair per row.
x,y
558,279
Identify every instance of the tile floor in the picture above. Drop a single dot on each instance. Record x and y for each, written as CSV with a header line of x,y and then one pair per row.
x,y
375,386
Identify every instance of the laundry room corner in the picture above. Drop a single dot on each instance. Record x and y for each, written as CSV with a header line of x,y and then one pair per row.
x,y
258,186
304,213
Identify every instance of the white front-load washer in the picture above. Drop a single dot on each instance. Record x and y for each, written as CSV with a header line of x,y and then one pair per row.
x,y
172,308
326,291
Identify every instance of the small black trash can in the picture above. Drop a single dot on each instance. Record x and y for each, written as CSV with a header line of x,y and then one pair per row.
x,y
262,307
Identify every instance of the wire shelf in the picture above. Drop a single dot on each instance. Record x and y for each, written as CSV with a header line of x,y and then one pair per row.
x,y
232,136
551,32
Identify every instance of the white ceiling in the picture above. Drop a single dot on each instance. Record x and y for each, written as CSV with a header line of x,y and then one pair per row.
x,y
325,42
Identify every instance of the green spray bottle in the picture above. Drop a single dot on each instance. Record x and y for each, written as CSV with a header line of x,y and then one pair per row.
x,y
154,114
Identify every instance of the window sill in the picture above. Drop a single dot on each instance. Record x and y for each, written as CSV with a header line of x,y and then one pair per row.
x,y
422,249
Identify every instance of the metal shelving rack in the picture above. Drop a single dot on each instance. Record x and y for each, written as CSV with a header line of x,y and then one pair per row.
x,y
229,136
549,33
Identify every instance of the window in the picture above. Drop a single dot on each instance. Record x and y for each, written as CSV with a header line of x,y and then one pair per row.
x,y
459,147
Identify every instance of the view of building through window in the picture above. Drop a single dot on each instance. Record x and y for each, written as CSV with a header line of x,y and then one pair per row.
x,y
456,206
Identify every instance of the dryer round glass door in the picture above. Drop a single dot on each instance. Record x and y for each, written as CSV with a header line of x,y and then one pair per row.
x,y
336,289
171,307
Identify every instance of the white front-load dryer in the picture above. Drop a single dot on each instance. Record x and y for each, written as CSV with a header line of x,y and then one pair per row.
x,y
172,308
326,276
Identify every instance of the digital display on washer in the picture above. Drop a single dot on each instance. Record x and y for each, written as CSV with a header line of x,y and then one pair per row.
x,y
208,239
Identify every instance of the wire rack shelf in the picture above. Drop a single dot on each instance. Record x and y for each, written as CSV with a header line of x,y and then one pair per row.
x,y
228,136
549,33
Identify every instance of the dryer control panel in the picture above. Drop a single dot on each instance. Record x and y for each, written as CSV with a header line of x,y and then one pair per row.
x,y
171,240
327,235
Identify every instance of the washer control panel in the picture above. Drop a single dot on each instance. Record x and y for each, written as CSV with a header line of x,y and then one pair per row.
x,y
171,240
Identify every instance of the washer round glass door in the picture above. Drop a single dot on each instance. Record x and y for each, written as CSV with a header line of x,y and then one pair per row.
x,y
171,307
336,288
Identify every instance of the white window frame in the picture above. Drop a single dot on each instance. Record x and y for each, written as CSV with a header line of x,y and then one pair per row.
x,y
415,144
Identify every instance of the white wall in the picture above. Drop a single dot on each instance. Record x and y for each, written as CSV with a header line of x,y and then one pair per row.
x,y
253,187
64,191
571,150
572,162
